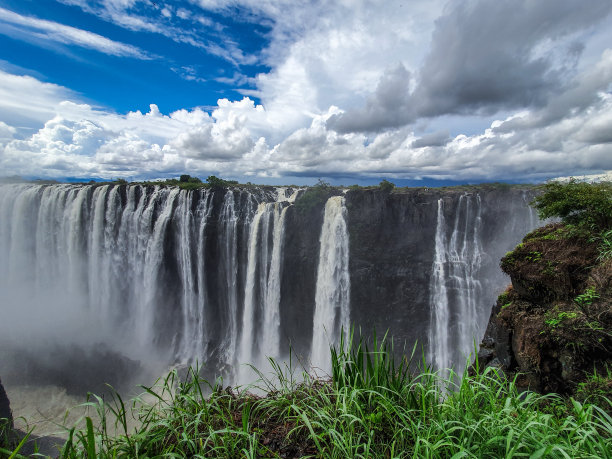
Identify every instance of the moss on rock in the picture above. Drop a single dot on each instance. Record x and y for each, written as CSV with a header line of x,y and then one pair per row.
x,y
555,320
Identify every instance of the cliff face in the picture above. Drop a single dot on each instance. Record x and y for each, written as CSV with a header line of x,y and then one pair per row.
x,y
552,324
394,245
392,250
160,276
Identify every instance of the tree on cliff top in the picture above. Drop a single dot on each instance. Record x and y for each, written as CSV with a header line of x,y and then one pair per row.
x,y
189,179
386,186
577,203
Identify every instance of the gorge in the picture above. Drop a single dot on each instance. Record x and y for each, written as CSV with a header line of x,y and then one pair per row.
x,y
107,282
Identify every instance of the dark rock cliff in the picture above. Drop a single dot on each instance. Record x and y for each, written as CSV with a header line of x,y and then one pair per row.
x,y
155,269
6,417
299,277
392,245
551,327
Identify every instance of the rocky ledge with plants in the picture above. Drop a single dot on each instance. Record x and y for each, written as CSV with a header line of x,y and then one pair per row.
x,y
552,327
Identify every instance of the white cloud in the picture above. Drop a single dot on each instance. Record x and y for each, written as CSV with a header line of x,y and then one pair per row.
x,y
338,53
234,140
336,58
125,14
6,132
48,30
26,101
226,138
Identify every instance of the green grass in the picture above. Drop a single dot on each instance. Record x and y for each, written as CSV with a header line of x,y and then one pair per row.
x,y
372,406
605,246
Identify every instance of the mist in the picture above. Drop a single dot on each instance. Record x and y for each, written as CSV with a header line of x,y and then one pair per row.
x,y
118,284
53,330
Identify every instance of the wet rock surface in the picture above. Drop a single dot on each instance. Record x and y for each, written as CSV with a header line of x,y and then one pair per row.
x,y
157,269
6,417
550,328
392,247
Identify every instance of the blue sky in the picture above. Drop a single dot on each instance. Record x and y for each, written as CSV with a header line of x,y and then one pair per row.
x,y
158,70
416,91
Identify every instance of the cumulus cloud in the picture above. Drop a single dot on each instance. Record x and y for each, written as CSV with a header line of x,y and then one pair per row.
x,y
486,57
81,140
351,90
434,139
336,53
582,93
224,139
389,106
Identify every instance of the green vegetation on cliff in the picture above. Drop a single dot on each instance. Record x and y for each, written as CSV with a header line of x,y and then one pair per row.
x,y
587,205
188,182
555,320
315,196
371,407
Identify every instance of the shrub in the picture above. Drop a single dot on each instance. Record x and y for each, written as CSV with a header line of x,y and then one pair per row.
x,y
216,182
386,186
578,203
315,196
189,179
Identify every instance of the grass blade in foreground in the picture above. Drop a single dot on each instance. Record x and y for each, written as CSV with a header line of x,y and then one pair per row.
x,y
372,407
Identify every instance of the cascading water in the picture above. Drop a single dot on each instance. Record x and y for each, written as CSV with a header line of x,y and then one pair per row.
x,y
456,301
438,334
332,299
270,334
191,228
131,263
164,276
145,315
263,285
228,221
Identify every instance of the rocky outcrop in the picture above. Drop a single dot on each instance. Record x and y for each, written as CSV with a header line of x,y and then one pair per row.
x,y
551,327
6,417
35,446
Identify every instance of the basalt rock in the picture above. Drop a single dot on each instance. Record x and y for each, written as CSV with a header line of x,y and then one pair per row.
x,y
392,248
162,276
550,328
6,417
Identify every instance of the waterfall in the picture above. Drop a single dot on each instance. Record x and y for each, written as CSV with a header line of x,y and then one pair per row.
x,y
228,263
533,214
190,243
153,262
438,335
98,254
270,341
228,277
455,299
332,298
260,336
